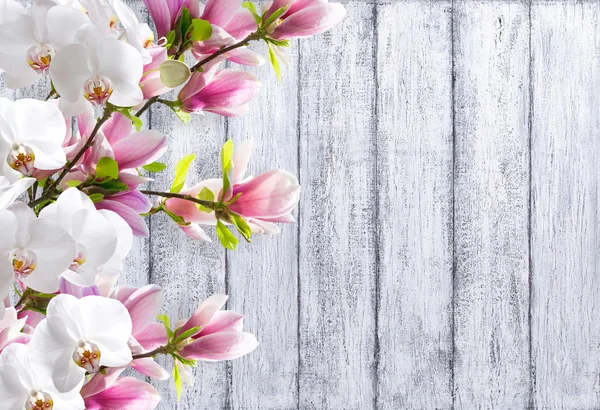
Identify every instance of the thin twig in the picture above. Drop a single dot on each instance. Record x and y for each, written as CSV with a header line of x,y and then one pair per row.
x,y
206,204
47,194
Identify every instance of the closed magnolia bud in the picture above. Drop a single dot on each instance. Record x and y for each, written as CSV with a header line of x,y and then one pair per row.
x,y
173,73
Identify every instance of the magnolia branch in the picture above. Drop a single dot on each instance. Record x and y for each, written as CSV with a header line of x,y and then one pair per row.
x,y
206,204
254,36
47,194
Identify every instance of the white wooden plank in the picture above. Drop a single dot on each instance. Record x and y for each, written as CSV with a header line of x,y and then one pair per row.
x,y
565,234
188,270
491,361
414,172
337,239
263,275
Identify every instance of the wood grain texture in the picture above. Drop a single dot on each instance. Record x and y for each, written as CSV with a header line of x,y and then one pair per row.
x,y
337,215
491,287
263,276
565,176
414,173
188,270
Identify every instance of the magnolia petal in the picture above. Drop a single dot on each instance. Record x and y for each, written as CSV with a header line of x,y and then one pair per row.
x,y
135,221
224,321
205,312
310,21
150,368
139,149
221,346
220,12
152,337
126,393
144,305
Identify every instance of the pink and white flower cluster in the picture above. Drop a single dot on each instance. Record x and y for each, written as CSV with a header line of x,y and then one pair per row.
x,y
73,196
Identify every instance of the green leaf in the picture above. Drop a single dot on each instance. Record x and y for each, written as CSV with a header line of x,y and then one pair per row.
x,y
170,39
278,43
200,30
74,183
96,197
185,117
186,334
187,362
185,22
276,14
137,121
274,62
226,153
205,195
228,240
181,170
226,165
250,6
155,167
164,319
232,200
177,380
114,185
176,218
107,169
241,225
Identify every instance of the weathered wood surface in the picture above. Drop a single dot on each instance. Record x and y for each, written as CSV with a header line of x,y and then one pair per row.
x,y
565,239
414,205
446,251
491,197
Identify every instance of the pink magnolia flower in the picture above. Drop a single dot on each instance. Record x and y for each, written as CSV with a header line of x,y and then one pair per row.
x,y
230,23
144,305
268,198
304,18
225,92
110,392
151,83
118,140
165,12
220,336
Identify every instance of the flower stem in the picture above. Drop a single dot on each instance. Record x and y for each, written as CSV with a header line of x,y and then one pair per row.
x,y
208,204
51,190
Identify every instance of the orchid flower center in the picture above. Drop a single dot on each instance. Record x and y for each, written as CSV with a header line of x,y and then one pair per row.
x,y
24,262
97,90
39,400
113,23
39,58
80,258
21,158
87,356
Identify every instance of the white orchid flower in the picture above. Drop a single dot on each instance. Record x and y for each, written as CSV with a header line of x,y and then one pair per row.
x,y
96,70
32,250
26,144
83,335
10,192
95,233
24,384
29,41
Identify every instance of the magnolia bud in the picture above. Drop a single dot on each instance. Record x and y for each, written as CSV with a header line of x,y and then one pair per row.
x,y
173,73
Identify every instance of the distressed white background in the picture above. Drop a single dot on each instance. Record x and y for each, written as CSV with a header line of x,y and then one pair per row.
x,y
446,251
